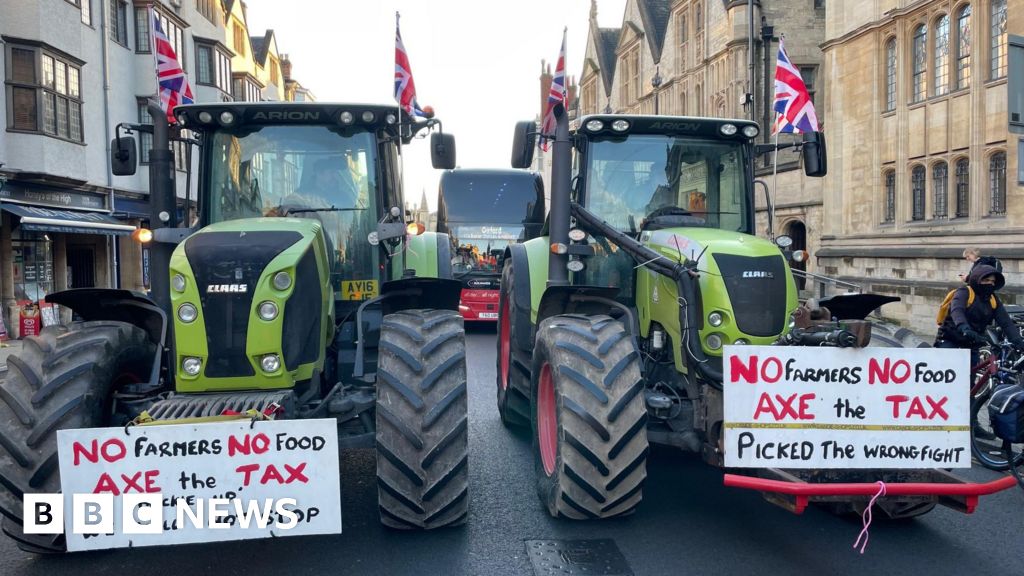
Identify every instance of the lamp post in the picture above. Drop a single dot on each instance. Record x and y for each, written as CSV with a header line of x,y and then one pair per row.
x,y
656,83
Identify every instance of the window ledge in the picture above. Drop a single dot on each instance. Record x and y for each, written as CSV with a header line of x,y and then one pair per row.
x,y
44,134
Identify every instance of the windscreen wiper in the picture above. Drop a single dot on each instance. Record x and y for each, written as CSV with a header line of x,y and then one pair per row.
x,y
331,209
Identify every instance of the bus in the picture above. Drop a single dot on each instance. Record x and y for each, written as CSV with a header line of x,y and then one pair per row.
x,y
483,211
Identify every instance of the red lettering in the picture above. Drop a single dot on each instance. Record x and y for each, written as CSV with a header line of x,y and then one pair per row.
x,y
764,404
886,372
132,482
916,409
786,407
778,370
738,370
296,473
937,407
247,469
271,473
804,414
106,484
93,455
258,444
896,399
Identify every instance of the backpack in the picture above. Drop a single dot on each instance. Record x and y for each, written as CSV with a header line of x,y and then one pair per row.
x,y
1006,412
948,301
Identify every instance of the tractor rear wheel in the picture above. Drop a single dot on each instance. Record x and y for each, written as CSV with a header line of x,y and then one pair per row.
x,y
513,363
589,418
64,378
422,422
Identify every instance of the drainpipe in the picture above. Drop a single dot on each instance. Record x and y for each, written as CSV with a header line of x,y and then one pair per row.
x,y
115,281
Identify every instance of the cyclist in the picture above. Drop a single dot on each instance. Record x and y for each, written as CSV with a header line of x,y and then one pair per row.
x,y
974,307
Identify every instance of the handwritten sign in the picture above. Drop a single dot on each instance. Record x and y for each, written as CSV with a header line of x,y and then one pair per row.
x,y
252,466
816,407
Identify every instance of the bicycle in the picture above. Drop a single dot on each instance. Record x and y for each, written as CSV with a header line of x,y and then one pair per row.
x,y
1000,364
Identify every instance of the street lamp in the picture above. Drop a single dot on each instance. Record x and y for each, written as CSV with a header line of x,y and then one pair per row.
x,y
656,83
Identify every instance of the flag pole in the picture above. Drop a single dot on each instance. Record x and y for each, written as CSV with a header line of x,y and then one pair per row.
x,y
401,159
775,180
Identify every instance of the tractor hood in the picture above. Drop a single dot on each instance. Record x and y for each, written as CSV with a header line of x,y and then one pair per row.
x,y
230,314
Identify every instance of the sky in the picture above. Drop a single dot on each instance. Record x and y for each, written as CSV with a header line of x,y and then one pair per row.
x,y
477,62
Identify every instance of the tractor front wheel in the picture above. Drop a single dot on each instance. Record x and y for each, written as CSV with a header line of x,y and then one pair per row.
x,y
589,418
513,362
64,378
422,422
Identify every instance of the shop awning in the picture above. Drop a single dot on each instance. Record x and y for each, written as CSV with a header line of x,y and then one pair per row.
x,y
36,219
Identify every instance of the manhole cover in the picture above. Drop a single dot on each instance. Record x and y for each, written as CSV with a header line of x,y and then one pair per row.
x,y
592,557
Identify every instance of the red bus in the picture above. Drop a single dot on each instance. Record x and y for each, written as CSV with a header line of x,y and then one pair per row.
x,y
483,211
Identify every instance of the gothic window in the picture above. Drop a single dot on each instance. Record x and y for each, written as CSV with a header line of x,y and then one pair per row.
x,y
890,197
963,47
917,193
890,75
997,183
963,187
940,186
920,63
998,36
941,55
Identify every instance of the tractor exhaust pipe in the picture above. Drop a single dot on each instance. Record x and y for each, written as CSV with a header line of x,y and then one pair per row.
x,y
163,210
561,169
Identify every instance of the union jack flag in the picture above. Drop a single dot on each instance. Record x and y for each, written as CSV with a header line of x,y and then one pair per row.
x,y
792,102
405,88
556,95
174,87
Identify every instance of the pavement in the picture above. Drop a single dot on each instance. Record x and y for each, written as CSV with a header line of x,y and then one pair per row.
x,y
6,349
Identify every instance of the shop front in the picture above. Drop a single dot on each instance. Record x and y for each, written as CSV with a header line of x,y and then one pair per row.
x,y
52,240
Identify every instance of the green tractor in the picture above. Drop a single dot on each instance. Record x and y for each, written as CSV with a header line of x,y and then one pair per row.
x,y
297,290
612,325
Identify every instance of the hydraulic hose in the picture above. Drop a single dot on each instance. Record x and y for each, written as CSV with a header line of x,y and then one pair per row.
x,y
683,274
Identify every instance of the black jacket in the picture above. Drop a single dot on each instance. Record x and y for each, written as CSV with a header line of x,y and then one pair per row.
x,y
980,314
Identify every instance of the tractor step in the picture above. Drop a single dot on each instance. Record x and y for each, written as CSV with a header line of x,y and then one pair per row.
x,y
215,404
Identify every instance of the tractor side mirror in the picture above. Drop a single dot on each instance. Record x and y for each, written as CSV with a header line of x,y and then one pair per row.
x,y
815,158
523,142
123,156
442,150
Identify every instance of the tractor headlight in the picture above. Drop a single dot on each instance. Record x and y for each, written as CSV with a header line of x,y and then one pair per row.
x,y
716,319
178,283
191,365
575,265
187,313
728,129
750,131
741,342
714,341
369,117
620,125
282,280
595,125
270,363
205,117
268,310
227,118
346,117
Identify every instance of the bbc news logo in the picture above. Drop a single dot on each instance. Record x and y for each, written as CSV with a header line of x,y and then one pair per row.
x,y
94,514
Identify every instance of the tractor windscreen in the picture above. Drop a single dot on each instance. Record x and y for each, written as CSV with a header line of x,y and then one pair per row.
x,y
301,171
628,179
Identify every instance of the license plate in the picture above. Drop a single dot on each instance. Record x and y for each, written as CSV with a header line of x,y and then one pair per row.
x,y
489,315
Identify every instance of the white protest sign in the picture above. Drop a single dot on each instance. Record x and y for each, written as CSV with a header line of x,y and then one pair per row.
x,y
281,474
822,407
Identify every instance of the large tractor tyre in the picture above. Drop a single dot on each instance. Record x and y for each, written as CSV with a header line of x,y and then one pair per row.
x,y
64,378
422,422
589,418
513,362
886,335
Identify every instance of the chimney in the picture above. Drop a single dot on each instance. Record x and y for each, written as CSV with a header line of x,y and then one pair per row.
x,y
286,67
545,87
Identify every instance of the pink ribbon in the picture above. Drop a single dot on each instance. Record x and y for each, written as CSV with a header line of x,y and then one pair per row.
x,y
866,518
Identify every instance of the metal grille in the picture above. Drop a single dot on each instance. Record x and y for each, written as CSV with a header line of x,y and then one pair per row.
x,y
234,259
302,312
940,186
917,192
997,183
757,292
963,187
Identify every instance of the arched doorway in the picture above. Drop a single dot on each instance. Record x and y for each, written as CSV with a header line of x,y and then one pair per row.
x,y
798,232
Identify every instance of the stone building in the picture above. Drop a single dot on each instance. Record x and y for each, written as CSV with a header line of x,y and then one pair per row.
x,y
72,70
691,58
921,164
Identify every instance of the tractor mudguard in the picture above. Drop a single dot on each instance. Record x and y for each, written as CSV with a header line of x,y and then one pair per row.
x,y
589,300
429,254
517,255
126,306
855,306
408,293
